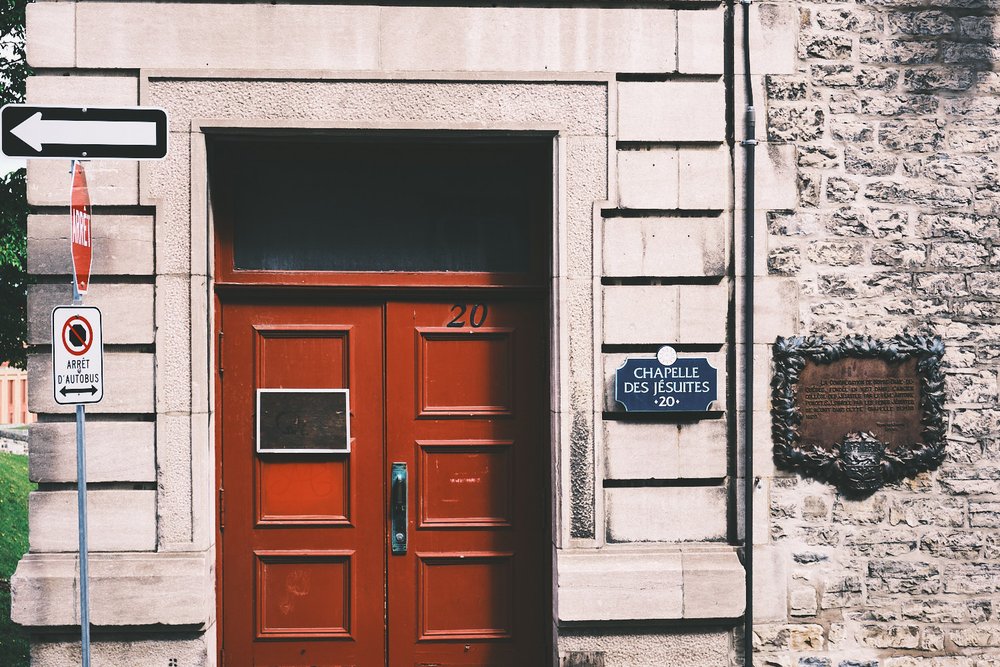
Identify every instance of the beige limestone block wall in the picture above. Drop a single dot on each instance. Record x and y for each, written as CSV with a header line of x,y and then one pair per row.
x,y
891,114
644,255
135,584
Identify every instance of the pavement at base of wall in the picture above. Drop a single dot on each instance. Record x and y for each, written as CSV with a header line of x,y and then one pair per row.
x,y
14,439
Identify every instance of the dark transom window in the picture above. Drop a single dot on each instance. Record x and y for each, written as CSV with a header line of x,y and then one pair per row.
x,y
385,203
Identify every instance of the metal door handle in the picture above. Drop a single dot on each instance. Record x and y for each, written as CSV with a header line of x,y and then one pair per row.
x,y
398,511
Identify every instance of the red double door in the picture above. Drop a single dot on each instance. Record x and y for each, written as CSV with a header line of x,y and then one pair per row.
x,y
457,392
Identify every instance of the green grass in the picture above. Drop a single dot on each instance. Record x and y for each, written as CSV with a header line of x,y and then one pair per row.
x,y
14,488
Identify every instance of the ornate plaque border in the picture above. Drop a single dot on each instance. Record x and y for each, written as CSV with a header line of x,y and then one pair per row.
x,y
852,466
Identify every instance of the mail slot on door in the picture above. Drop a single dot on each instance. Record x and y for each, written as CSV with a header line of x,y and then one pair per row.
x,y
303,421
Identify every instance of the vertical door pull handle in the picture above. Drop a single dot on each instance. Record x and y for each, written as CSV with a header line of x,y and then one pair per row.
x,y
399,510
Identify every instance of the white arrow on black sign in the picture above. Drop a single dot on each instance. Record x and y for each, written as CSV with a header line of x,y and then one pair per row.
x,y
137,133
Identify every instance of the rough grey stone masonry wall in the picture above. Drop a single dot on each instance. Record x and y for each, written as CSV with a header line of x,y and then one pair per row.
x,y
895,113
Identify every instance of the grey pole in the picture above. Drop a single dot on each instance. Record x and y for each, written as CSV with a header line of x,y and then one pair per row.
x,y
81,496
81,505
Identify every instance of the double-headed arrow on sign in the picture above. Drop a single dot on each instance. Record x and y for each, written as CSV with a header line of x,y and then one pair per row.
x,y
137,133
79,390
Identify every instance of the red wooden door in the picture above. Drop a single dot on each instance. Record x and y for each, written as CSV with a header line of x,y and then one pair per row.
x,y
468,402
302,535
458,393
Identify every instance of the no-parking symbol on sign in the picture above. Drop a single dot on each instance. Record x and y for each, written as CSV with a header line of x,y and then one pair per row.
x,y
77,355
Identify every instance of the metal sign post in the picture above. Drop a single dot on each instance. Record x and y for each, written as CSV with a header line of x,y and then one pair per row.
x,y
71,342
77,379
80,195
81,503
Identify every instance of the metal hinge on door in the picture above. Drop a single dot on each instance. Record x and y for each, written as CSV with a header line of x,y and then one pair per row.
x,y
218,353
222,509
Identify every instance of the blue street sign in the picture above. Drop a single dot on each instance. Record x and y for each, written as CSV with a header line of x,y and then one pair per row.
x,y
687,384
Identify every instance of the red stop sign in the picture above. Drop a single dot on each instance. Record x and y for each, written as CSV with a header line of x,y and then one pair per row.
x,y
80,238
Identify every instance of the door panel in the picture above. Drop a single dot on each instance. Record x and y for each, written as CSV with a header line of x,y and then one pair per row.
x,y
463,374
464,483
302,560
465,595
292,490
303,594
307,574
468,415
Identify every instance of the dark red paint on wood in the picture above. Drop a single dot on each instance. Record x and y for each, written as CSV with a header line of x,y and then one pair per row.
x,y
306,574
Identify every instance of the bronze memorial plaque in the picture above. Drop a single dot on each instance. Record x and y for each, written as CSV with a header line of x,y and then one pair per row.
x,y
859,412
859,395
303,421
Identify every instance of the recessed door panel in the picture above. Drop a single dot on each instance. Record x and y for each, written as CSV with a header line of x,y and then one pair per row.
x,y
449,611
302,357
302,489
464,484
465,372
314,491
303,595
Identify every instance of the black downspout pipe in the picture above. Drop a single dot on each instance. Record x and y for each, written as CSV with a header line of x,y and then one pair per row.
x,y
749,142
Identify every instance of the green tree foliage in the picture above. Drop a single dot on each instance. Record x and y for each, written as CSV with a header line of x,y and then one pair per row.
x,y
13,67
13,202
13,250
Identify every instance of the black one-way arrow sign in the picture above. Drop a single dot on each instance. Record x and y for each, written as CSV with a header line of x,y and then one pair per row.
x,y
137,133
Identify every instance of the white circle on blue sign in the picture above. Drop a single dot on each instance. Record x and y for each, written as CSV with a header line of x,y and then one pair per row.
x,y
666,355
